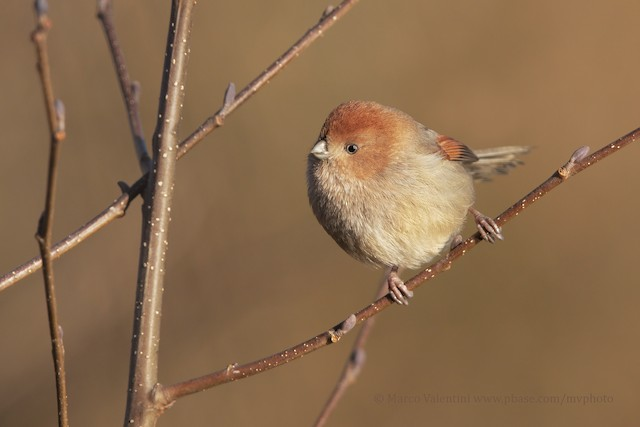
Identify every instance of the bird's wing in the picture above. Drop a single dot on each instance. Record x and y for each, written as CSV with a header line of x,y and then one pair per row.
x,y
455,150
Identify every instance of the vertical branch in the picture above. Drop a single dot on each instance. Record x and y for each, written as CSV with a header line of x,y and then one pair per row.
x,y
143,371
130,90
56,121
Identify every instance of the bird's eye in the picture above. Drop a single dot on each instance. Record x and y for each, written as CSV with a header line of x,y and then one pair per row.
x,y
351,148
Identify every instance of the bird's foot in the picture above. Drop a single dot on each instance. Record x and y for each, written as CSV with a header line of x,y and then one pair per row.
x,y
397,289
489,230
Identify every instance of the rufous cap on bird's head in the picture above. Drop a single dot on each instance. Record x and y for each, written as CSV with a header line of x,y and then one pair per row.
x,y
376,132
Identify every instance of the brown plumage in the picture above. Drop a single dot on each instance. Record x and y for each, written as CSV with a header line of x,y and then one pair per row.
x,y
392,192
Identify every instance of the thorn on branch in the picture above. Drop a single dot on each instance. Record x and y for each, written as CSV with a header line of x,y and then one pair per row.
x,y
567,170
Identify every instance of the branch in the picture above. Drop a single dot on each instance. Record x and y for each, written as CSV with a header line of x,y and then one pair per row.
x,y
143,370
166,395
130,90
355,362
329,17
118,207
56,121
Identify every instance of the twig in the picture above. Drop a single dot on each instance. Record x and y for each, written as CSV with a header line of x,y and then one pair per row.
x,y
329,17
130,90
118,207
355,362
166,395
143,370
56,121
115,210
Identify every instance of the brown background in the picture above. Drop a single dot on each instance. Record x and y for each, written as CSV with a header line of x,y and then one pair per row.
x,y
552,311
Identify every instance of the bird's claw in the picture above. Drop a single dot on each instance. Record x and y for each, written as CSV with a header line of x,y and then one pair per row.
x,y
489,230
398,290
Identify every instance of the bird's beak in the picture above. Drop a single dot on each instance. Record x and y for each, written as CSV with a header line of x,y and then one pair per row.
x,y
320,150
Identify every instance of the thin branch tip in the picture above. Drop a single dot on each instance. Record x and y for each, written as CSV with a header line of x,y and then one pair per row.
x,y
130,89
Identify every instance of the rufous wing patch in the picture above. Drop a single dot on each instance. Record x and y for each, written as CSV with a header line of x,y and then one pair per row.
x,y
455,150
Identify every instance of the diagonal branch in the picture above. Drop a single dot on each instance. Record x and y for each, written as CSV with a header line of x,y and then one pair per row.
x,y
130,90
143,370
56,121
166,395
329,17
119,206
354,364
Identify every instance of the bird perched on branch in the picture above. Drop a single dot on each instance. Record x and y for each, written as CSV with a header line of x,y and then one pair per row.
x,y
392,192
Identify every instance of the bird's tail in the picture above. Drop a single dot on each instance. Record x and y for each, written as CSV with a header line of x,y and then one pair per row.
x,y
495,161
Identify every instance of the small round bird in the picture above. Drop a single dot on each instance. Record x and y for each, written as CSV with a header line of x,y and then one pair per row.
x,y
392,192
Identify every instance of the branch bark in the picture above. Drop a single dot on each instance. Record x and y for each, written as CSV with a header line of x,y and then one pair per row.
x,y
56,121
130,90
143,371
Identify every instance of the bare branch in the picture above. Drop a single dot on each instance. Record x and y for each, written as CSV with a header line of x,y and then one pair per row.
x,y
115,210
166,395
118,207
156,215
130,90
56,121
329,17
355,362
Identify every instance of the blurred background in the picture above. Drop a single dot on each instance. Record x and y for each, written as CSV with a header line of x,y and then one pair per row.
x,y
549,313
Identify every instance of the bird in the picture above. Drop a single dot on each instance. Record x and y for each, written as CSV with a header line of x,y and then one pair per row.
x,y
393,193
